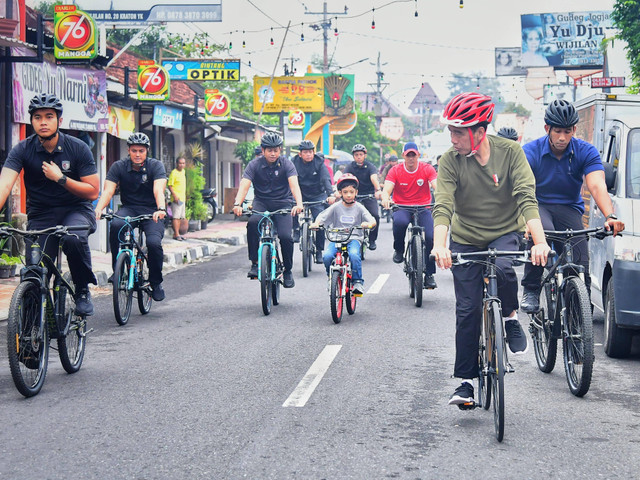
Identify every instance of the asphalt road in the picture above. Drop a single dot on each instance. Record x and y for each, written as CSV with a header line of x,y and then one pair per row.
x,y
200,388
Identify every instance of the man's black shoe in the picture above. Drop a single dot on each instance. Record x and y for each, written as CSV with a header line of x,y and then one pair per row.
x,y
287,280
398,257
530,301
430,282
372,245
253,271
296,236
157,292
84,305
318,256
516,337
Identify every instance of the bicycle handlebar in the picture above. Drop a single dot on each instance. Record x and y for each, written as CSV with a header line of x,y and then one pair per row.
x,y
111,216
315,202
520,256
282,211
59,230
599,232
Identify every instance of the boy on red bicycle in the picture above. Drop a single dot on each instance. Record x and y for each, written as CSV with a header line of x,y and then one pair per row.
x,y
347,213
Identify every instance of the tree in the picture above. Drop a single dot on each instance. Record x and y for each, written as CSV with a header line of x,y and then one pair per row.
x,y
625,18
474,82
512,107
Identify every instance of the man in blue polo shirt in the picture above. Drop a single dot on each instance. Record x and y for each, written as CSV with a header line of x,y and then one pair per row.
x,y
560,162
142,181
61,180
275,183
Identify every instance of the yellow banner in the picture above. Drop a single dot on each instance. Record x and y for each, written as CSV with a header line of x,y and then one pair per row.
x,y
288,93
122,123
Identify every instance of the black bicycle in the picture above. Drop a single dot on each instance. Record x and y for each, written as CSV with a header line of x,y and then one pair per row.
x,y
415,255
41,310
493,360
131,273
364,245
307,237
565,313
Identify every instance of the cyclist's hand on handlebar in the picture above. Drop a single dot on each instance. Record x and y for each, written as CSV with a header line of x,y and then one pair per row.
x,y
331,199
616,225
237,210
159,215
296,209
386,203
378,194
442,256
314,226
540,253
98,214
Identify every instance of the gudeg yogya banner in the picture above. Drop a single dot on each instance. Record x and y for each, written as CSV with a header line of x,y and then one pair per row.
x,y
83,93
564,40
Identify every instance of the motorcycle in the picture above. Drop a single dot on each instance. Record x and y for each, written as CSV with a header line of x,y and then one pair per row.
x,y
209,198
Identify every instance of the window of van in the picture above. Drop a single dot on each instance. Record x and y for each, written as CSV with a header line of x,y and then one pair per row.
x,y
633,164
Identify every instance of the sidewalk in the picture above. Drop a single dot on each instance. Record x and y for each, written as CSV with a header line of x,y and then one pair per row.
x,y
224,230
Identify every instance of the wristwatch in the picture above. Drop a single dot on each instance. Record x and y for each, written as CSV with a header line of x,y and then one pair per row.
x,y
161,209
62,180
611,216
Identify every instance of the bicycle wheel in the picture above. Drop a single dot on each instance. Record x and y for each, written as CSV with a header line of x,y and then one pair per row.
x,y
72,345
408,270
27,343
484,378
265,279
143,287
122,294
350,299
275,285
305,246
335,296
417,250
545,346
578,337
364,244
497,371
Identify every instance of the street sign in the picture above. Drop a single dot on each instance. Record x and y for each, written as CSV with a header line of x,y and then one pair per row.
x,y
211,12
203,70
604,82
167,117
74,34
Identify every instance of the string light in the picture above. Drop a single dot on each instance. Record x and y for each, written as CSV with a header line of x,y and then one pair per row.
x,y
416,14
243,44
335,30
271,35
461,3
373,19
302,33
230,44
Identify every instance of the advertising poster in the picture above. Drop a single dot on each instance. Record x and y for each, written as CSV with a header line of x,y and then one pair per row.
x,y
122,123
203,70
288,93
509,62
153,82
296,120
217,107
564,40
74,34
83,93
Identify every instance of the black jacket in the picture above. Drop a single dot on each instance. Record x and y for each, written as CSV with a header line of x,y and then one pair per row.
x,y
313,178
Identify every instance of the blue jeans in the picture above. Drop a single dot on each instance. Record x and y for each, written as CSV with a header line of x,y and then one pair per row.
x,y
354,255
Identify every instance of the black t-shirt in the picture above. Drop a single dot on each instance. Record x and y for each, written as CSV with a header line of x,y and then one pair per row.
x,y
313,178
270,181
70,154
136,187
363,174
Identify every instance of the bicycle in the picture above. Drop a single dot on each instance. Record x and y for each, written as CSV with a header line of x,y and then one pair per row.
x,y
493,360
364,245
307,237
270,267
39,312
340,277
131,273
414,255
565,313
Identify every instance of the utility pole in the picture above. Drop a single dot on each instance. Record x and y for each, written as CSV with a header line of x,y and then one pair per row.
x,y
379,87
325,25
290,71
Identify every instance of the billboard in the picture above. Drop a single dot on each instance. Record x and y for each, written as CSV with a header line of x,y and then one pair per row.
x,y
508,62
203,70
153,82
217,106
339,93
564,40
288,93
74,34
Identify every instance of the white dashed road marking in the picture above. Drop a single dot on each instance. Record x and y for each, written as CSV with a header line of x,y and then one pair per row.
x,y
378,284
310,381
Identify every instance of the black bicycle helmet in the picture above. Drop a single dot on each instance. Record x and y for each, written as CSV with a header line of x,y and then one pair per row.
x,y
139,138
347,180
508,132
45,100
257,150
393,158
561,114
358,148
271,140
306,145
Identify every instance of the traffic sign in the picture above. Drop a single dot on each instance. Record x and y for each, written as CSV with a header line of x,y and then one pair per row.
x,y
604,82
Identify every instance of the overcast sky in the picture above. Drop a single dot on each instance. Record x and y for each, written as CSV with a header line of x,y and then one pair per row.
x,y
443,38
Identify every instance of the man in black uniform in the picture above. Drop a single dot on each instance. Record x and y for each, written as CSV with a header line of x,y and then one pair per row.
x,y
275,184
61,180
315,185
142,181
367,175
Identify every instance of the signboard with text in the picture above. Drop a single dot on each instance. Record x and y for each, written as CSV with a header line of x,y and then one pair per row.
x,y
288,93
210,12
153,82
203,70
217,107
74,34
605,82
167,117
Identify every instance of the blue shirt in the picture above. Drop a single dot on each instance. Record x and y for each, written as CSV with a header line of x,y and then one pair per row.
x,y
559,182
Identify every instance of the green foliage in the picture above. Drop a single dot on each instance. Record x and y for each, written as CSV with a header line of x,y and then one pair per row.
x,y
625,18
244,150
46,8
512,107
194,205
6,259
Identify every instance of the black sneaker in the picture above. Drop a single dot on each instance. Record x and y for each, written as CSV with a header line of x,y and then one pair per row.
x,y
462,395
84,306
358,288
530,300
287,280
296,236
157,292
430,282
372,246
516,338
398,257
318,256
253,271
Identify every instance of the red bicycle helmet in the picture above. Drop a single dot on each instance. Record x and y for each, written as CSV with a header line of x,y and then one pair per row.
x,y
347,177
468,109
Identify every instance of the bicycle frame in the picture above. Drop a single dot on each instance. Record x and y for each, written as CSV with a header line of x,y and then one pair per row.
x,y
341,266
129,244
268,237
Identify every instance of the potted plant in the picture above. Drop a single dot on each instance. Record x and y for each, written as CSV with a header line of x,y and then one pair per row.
x,y
196,210
8,264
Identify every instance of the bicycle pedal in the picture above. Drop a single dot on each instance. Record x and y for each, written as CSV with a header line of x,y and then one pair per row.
x,y
509,369
358,295
468,406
